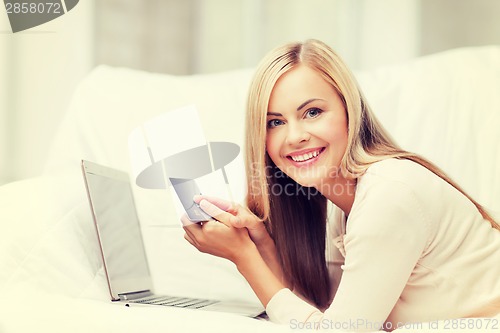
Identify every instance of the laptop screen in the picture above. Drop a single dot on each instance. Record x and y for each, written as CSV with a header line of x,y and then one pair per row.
x,y
118,229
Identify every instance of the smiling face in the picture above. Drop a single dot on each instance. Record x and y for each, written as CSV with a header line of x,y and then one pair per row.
x,y
306,127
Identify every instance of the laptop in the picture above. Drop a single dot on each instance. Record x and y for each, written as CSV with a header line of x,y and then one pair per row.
x,y
122,248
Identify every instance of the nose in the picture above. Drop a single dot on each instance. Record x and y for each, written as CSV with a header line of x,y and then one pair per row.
x,y
296,134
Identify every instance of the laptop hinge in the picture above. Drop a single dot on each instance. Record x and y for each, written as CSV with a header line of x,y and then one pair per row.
x,y
134,295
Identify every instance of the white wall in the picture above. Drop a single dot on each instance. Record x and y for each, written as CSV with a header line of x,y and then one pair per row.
x,y
367,33
454,23
388,32
40,68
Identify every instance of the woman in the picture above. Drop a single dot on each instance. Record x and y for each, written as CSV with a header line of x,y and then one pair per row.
x,y
412,246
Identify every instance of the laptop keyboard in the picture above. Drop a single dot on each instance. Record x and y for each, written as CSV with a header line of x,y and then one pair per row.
x,y
182,302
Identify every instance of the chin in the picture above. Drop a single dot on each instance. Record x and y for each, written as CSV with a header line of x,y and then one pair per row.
x,y
306,182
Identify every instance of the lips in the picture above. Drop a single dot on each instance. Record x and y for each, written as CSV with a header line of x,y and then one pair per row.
x,y
305,155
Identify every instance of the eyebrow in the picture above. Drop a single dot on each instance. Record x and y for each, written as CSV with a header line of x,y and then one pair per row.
x,y
301,106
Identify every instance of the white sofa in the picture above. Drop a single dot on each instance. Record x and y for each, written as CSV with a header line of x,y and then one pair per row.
x,y
444,106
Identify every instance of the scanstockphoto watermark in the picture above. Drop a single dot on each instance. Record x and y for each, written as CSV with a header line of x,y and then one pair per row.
x,y
26,14
281,183
452,325
348,325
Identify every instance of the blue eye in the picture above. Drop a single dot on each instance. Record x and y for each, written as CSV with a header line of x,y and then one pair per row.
x,y
313,113
274,123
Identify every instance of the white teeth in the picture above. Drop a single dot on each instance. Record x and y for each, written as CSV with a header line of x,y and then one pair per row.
x,y
305,157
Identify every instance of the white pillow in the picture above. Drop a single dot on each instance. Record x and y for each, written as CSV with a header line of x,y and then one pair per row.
x,y
47,243
446,106
111,102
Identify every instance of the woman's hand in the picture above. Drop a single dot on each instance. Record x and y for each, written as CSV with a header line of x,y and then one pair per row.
x,y
234,215
218,239
228,238
232,243
225,241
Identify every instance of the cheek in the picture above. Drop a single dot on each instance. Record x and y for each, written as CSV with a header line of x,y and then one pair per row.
x,y
335,135
338,138
339,145
270,146
273,146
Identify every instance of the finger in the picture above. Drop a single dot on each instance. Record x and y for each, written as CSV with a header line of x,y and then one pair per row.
x,y
225,205
227,218
188,238
241,217
193,230
186,221
248,219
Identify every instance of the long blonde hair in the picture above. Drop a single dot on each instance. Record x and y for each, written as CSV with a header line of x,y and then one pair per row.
x,y
368,142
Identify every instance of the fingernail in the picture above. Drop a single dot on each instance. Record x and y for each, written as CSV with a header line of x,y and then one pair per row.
x,y
197,198
208,207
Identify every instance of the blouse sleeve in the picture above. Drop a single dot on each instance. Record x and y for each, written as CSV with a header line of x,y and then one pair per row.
x,y
387,232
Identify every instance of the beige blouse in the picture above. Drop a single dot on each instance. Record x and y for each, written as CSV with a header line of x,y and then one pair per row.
x,y
413,249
